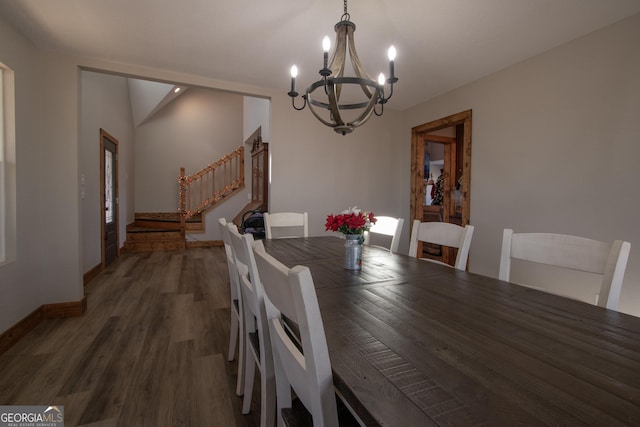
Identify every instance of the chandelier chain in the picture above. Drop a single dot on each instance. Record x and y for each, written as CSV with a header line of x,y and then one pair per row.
x,y
345,15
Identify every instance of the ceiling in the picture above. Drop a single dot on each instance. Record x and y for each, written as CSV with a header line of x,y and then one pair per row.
x,y
441,44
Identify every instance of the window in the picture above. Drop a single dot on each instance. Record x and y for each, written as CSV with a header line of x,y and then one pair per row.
x,y
7,166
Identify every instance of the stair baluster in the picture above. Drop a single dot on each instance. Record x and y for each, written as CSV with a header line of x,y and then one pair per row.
x,y
203,189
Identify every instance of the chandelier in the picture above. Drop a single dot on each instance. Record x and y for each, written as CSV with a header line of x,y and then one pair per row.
x,y
361,95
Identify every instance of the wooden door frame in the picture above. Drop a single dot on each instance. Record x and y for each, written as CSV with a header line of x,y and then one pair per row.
x,y
418,135
105,135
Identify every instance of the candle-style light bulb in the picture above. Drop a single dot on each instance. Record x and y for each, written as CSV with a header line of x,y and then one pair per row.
x,y
294,74
392,53
326,44
381,79
392,56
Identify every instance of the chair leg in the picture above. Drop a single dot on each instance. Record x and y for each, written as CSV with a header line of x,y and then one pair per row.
x,y
249,376
267,399
283,392
242,354
233,336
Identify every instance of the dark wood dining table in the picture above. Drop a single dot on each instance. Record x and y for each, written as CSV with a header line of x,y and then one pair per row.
x,y
413,343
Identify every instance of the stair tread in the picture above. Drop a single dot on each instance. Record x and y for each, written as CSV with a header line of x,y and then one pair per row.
x,y
151,230
154,248
163,217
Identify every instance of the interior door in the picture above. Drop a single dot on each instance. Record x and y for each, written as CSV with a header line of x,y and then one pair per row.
x,y
453,135
439,179
109,172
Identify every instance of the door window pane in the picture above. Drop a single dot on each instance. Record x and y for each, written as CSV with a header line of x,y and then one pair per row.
x,y
108,186
8,230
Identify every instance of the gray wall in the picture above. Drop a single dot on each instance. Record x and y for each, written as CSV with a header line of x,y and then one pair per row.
x,y
556,144
208,122
104,104
47,268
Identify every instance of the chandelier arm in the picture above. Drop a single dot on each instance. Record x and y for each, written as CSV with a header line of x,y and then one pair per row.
x,y
293,103
334,108
339,57
381,110
357,65
337,123
313,103
339,81
383,100
318,116
367,111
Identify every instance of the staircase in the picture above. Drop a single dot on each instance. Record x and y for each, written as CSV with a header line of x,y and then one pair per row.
x,y
199,193
155,232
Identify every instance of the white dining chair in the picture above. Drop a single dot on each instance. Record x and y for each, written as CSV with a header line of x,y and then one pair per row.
x,y
236,330
258,343
445,234
386,226
302,361
286,224
608,260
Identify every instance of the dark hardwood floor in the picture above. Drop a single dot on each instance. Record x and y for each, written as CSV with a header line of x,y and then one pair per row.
x,y
150,350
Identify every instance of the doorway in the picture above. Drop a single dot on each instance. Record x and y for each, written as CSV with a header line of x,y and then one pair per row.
x,y
441,176
109,198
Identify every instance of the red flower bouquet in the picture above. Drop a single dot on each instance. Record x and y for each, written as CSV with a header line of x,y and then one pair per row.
x,y
351,221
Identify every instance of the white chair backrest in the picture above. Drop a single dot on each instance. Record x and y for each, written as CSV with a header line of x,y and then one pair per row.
x,y
388,226
252,291
236,327
248,275
290,292
445,234
255,321
292,223
231,263
571,252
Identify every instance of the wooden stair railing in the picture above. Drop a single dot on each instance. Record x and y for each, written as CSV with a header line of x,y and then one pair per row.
x,y
203,189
